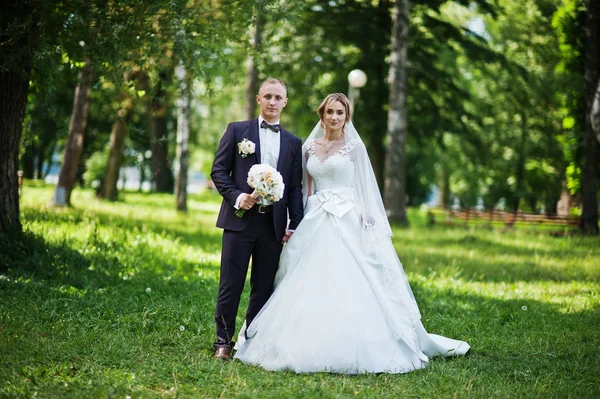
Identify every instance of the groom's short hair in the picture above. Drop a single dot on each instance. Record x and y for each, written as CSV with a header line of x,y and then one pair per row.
x,y
273,81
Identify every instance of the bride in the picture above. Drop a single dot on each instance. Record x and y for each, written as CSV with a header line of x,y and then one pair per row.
x,y
341,301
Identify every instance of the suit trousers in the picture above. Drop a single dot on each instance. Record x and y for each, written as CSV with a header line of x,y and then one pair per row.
x,y
257,241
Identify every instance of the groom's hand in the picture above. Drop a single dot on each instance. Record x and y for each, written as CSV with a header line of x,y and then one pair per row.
x,y
247,201
287,236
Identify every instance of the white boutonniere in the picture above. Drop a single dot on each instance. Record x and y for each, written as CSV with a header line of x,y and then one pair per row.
x,y
246,147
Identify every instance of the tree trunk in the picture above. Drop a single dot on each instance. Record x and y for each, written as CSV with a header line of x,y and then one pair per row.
x,y
395,172
378,157
377,113
183,134
28,161
589,218
16,51
520,167
142,176
14,86
251,87
162,175
73,149
444,186
550,205
251,69
595,114
118,134
564,203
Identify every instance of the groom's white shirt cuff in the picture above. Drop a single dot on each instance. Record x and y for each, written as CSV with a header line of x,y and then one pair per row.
x,y
238,200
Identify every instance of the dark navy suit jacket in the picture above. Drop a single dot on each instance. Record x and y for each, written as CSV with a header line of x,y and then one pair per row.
x,y
230,173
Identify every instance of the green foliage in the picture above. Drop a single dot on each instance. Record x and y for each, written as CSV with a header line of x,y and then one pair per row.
x,y
95,167
315,52
568,21
77,318
494,88
512,148
153,37
47,119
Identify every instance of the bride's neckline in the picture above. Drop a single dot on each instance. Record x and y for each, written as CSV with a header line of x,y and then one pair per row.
x,y
332,143
331,154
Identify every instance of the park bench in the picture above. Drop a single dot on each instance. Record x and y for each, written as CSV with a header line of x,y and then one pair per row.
x,y
496,217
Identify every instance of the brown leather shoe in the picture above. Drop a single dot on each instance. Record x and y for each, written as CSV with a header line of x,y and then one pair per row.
x,y
223,353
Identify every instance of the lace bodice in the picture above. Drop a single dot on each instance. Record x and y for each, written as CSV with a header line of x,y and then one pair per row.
x,y
335,171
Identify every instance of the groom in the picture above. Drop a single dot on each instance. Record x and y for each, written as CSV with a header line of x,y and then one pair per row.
x,y
261,232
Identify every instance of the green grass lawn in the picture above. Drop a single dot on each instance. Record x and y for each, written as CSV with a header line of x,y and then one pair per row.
x,y
117,299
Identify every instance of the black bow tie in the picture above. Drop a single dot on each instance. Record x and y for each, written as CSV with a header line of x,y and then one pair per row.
x,y
265,125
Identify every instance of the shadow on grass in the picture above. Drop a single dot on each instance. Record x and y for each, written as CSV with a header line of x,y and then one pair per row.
x,y
527,353
51,259
512,329
31,253
157,201
475,240
31,259
481,257
174,228
102,262
43,272
489,268
512,351
514,241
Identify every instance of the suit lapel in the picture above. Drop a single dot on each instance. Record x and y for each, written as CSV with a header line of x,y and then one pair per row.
x,y
255,138
283,147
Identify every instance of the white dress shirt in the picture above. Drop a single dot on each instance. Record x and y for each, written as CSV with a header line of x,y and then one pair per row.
x,y
270,143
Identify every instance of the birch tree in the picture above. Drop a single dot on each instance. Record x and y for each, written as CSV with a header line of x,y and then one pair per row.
x,y
395,168
595,114
118,135
74,147
183,135
162,175
251,67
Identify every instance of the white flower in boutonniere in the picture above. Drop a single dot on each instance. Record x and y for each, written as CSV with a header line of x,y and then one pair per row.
x,y
246,147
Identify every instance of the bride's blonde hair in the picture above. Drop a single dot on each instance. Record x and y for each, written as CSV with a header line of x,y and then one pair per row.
x,y
342,99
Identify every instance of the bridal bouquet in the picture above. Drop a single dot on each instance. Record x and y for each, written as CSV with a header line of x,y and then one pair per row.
x,y
266,182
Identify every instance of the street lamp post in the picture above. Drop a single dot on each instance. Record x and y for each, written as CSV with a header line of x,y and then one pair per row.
x,y
356,80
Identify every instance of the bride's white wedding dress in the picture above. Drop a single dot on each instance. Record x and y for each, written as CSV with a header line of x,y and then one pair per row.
x,y
339,305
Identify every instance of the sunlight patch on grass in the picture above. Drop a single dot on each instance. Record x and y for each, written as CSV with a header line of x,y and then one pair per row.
x,y
572,296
